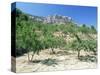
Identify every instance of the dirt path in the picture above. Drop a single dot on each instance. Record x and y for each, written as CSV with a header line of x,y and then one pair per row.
x,y
62,60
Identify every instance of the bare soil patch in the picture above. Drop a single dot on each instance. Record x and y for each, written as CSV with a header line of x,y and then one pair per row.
x,y
62,60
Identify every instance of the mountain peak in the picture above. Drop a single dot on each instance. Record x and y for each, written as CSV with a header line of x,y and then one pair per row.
x,y
59,19
53,19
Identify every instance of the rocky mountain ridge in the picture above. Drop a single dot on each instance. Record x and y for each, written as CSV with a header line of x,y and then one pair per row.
x,y
57,19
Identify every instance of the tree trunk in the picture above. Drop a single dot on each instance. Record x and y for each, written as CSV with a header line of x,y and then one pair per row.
x,y
78,54
32,57
95,53
53,52
28,57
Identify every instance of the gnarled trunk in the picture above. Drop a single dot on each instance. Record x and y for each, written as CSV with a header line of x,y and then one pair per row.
x,y
32,57
28,57
78,55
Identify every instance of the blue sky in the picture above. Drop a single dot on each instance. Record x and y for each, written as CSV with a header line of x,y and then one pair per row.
x,y
80,14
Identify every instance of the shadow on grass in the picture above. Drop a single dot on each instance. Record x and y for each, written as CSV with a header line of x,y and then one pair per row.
x,y
48,62
88,58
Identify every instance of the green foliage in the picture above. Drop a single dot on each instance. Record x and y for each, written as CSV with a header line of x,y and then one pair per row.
x,y
36,36
93,30
91,45
86,45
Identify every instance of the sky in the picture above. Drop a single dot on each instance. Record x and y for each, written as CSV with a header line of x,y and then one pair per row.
x,y
80,14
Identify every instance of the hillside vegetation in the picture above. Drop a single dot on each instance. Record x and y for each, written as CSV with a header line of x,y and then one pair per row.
x,y
36,36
